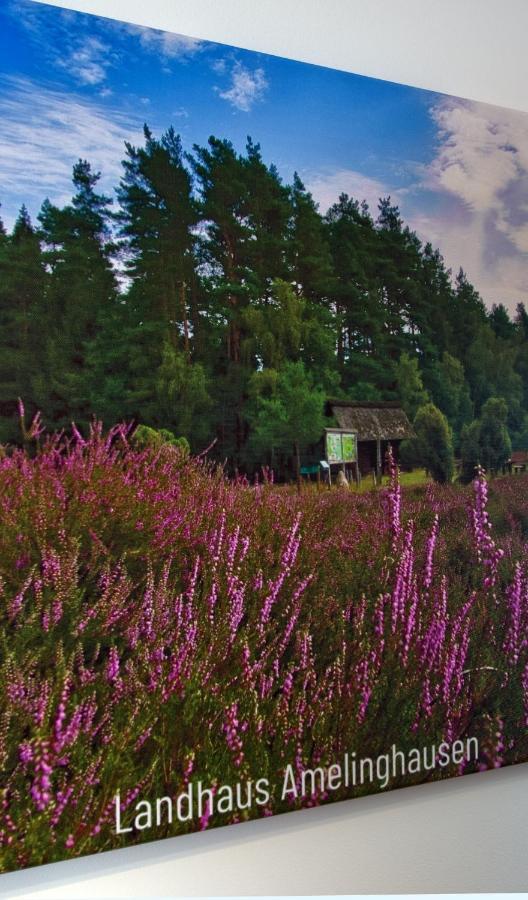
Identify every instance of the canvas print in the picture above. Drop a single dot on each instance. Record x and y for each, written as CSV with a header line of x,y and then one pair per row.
x,y
263,435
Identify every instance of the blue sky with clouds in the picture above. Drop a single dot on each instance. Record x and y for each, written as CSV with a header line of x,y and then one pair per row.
x,y
74,85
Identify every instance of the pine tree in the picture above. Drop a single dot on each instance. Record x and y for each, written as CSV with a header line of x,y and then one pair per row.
x,y
222,180
500,321
269,210
431,312
165,387
357,310
399,267
157,217
81,286
449,389
238,270
310,259
521,320
22,286
467,315
410,387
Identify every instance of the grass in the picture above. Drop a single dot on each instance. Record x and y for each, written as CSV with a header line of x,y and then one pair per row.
x,y
407,479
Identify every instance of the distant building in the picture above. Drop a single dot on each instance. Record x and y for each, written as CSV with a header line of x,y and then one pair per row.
x,y
377,425
519,461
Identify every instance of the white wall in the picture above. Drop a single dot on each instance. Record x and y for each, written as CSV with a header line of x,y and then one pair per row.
x,y
470,48
468,834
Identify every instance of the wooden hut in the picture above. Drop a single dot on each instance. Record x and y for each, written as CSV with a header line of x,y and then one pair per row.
x,y
519,461
377,425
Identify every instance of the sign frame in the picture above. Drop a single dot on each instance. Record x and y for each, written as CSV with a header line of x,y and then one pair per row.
x,y
334,437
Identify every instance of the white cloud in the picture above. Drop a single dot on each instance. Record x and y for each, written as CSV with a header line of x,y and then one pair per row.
x,y
480,175
464,242
465,237
219,66
327,186
44,132
165,44
482,159
70,42
520,237
479,151
482,163
87,61
246,87
79,45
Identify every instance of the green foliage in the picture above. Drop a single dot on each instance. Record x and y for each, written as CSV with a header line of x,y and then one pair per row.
x,y
411,391
470,454
81,285
435,442
145,438
182,394
491,371
521,438
309,251
410,456
486,441
501,323
494,439
450,392
211,271
287,412
22,299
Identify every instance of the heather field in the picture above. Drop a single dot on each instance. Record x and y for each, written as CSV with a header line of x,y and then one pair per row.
x,y
162,625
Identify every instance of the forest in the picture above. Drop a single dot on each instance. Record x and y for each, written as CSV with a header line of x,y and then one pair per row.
x,y
213,300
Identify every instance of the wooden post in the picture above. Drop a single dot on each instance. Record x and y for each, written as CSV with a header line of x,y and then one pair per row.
x,y
379,470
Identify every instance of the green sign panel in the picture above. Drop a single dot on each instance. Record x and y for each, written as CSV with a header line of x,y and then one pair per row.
x,y
348,442
341,447
333,447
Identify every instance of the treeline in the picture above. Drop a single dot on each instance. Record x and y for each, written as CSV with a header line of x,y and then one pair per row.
x,y
218,302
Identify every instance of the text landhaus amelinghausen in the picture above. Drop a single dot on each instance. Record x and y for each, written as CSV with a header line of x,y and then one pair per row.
x,y
199,802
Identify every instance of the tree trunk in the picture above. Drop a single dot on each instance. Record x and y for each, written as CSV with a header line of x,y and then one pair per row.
x,y
340,345
297,465
185,319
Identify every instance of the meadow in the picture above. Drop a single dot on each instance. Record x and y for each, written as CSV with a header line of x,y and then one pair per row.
x,y
163,625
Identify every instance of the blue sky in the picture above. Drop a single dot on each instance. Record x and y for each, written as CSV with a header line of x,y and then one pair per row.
x,y
74,85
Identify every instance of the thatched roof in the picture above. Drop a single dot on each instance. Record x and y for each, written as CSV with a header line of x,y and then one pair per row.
x,y
372,421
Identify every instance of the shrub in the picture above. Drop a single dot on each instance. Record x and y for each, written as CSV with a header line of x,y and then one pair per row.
x,y
470,451
494,439
146,437
435,442
409,454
